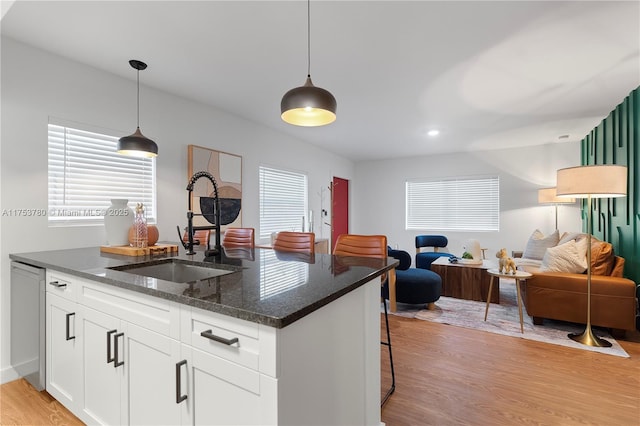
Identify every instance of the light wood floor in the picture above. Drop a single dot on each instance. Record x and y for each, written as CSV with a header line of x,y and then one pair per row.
x,y
448,375
21,404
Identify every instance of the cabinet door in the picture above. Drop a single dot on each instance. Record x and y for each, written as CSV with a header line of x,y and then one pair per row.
x,y
64,351
152,363
222,392
102,378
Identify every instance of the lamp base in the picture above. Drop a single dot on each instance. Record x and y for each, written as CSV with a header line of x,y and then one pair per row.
x,y
588,338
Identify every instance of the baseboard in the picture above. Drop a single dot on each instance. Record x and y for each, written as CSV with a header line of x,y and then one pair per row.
x,y
27,369
8,374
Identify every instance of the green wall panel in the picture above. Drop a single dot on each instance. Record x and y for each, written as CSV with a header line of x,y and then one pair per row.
x,y
617,220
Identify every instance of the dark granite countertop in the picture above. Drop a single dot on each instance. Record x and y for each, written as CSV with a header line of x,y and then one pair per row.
x,y
265,286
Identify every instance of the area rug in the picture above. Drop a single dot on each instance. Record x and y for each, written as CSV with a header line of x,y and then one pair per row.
x,y
503,319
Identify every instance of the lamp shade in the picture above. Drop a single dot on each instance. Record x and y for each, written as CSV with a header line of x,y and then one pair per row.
x,y
597,181
308,106
548,196
137,145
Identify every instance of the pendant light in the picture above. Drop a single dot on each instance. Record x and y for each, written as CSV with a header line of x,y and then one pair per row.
x,y
308,105
137,145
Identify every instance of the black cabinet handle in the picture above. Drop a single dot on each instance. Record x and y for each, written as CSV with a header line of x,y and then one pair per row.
x,y
57,284
110,358
179,396
117,363
209,335
69,315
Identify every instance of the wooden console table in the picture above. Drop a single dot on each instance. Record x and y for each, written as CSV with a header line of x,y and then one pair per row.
x,y
464,281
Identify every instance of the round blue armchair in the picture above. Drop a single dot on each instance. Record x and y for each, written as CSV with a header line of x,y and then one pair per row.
x,y
413,286
438,243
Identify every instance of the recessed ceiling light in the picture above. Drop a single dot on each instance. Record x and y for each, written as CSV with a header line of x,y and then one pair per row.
x,y
433,132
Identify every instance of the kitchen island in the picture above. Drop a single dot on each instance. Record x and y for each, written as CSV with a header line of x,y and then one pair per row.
x,y
277,338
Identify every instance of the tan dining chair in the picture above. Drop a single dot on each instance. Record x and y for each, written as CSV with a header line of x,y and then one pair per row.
x,y
201,236
372,246
239,237
295,242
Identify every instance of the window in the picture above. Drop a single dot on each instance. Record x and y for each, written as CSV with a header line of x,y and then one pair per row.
x,y
86,172
283,201
454,204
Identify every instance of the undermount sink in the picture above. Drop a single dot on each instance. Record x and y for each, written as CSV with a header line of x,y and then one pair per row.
x,y
174,270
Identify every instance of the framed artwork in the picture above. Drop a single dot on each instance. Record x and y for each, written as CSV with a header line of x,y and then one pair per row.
x,y
227,170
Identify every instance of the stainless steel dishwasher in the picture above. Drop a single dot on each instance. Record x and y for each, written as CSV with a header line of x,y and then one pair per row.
x,y
28,322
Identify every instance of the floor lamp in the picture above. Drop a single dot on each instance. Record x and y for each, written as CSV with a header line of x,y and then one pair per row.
x,y
605,181
548,196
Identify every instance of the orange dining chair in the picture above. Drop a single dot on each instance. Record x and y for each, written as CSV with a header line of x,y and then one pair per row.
x,y
239,237
295,242
372,246
201,237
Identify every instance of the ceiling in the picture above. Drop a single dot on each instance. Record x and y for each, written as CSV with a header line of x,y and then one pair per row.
x,y
488,75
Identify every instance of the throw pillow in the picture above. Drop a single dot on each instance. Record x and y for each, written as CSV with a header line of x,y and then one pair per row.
x,y
602,257
568,236
569,257
538,244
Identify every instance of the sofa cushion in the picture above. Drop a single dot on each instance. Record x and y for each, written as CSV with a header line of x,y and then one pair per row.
x,y
602,257
538,244
568,257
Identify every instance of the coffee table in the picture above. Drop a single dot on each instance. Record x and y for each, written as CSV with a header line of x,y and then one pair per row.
x,y
517,276
466,281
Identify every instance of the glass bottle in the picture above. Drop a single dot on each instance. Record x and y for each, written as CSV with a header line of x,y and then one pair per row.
x,y
141,237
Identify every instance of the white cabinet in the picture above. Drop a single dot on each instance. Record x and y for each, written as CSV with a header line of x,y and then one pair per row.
x,y
136,359
63,343
153,361
102,378
104,368
224,393
225,383
129,373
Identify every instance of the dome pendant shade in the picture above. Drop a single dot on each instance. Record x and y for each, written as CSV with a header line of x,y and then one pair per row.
x,y
137,145
308,106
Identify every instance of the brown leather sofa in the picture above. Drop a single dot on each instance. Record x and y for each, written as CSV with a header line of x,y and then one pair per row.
x,y
563,296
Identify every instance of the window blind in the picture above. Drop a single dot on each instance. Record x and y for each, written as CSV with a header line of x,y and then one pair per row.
x,y
453,204
283,201
85,173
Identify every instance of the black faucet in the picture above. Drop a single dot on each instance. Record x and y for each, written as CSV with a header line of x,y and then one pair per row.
x,y
189,246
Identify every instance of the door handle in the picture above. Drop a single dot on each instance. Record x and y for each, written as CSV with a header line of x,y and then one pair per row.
x,y
110,358
209,335
58,284
69,315
179,396
117,363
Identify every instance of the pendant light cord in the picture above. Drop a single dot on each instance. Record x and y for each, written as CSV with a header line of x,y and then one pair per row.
x,y
138,82
308,38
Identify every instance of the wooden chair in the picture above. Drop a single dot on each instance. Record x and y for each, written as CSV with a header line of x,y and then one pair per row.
x,y
295,242
372,246
239,237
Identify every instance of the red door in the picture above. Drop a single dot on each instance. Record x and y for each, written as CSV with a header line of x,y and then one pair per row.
x,y
339,209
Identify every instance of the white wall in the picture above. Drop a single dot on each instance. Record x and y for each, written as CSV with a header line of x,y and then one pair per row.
x,y
36,85
379,194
